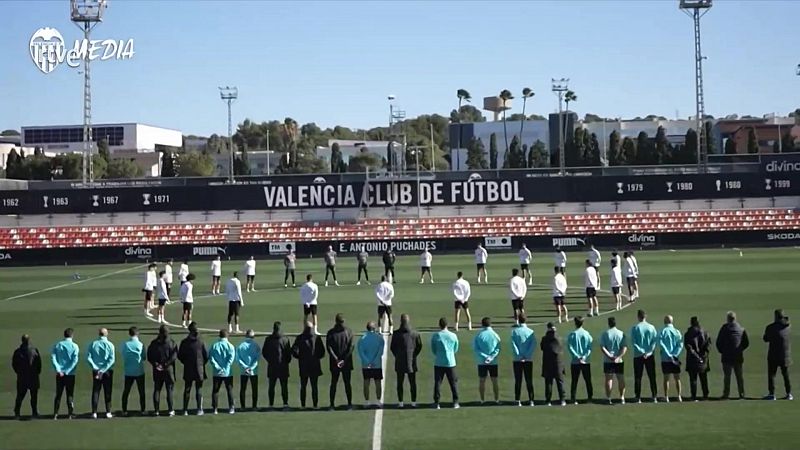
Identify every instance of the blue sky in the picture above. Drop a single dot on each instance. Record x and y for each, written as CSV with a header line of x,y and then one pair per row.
x,y
335,62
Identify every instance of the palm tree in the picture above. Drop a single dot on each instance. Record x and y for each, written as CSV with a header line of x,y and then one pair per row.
x,y
526,94
505,96
463,95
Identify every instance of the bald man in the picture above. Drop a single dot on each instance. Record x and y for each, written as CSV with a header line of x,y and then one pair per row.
x,y
671,342
101,357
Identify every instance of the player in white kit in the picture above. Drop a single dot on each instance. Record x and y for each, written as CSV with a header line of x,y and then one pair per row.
x,y
525,258
560,259
594,256
150,282
216,274
425,260
461,294
250,273
591,281
168,275
481,256
384,293
616,283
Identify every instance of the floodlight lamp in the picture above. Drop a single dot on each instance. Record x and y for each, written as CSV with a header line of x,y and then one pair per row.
x,y
87,10
391,97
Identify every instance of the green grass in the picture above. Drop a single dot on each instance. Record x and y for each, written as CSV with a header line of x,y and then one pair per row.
x,y
704,283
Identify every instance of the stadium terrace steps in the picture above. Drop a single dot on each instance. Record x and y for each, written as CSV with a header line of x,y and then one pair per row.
x,y
400,228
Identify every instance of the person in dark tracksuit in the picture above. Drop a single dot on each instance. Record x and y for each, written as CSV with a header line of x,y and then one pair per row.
x,y
406,346
697,343
362,258
27,364
389,258
277,351
194,356
309,349
552,364
732,341
64,357
162,354
339,343
779,355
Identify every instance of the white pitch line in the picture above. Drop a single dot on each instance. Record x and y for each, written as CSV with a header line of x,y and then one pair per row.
x,y
377,426
73,283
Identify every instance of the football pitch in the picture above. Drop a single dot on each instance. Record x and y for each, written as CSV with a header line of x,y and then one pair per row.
x,y
42,301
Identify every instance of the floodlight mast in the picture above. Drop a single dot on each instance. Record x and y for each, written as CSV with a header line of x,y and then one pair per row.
x,y
229,94
86,14
560,86
697,9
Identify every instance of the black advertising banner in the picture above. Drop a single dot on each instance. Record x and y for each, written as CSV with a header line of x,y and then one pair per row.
x,y
358,194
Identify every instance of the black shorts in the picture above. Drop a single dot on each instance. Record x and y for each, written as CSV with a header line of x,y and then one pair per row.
x,y
523,266
424,270
632,279
460,305
215,278
481,265
668,368
591,292
615,290
613,368
187,307
233,308
309,309
518,303
485,370
183,282
162,302
251,277
148,295
383,309
372,374
558,301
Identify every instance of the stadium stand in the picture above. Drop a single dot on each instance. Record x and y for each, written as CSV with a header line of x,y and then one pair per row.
x,y
402,228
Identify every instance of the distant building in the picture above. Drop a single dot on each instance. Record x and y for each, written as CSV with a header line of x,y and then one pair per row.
x,y
8,143
134,137
534,130
258,160
769,131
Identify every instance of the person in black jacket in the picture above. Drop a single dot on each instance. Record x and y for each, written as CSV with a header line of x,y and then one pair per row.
x,y
779,354
732,341
339,342
161,354
277,351
389,257
27,364
193,355
552,364
308,349
406,345
697,343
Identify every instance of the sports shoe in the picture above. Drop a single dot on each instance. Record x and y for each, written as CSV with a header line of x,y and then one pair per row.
x,y
421,282
109,415
171,414
358,283
638,400
401,405
531,403
55,416
148,314
232,411
789,397
294,285
336,283
94,415
456,405
368,283
655,400
622,401
186,412
563,403
549,403
610,402
769,397
438,406
666,399
680,399
200,412
326,284
413,404
519,403
469,327
285,285
215,411
432,282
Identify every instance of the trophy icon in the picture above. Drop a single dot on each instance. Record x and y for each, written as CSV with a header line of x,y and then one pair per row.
x,y
95,200
146,199
44,199
719,185
669,186
619,188
767,184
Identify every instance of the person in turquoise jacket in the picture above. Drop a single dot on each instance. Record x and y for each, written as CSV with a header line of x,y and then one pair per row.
x,y
643,340
222,355
671,342
444,345
612,343
486,347
523,344
101,358
133,359
579,343
248,353
64,357
370,351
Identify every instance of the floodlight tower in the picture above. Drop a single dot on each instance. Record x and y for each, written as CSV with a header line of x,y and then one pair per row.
x,y
229,94
697,9
86,14
396,115
559,87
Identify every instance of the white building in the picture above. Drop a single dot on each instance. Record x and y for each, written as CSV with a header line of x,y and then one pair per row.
x,y
134,137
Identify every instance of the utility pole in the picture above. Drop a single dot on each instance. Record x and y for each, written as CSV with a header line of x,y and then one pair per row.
x,y
697,9
228,95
